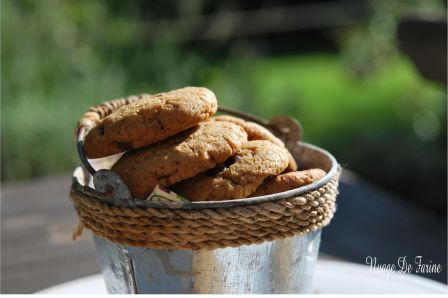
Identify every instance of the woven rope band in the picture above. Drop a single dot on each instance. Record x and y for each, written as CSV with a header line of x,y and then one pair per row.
x,y
208,228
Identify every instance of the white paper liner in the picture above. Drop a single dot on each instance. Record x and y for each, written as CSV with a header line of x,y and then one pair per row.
x,y
160,194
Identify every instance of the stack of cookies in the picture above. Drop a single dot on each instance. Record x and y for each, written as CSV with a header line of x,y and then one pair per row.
x,y
173,140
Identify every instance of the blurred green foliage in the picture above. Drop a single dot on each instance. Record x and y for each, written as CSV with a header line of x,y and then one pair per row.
x,y
367,105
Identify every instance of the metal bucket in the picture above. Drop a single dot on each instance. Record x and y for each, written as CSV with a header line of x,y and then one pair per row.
x,y
279,266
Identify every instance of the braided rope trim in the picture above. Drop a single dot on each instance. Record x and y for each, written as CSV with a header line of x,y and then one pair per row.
x,y
208,228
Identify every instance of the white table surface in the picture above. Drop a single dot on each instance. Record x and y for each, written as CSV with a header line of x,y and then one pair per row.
x,y
330,277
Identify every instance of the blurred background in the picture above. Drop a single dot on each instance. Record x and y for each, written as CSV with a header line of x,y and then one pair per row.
x,y
366,79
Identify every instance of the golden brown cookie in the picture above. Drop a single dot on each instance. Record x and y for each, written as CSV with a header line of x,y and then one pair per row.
x,y
288,181
149,120
179,157
255,161
258,132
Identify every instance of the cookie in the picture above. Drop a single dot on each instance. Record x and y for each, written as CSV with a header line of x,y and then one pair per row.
x,y
258,132
238,177
288,181
179,157
149,120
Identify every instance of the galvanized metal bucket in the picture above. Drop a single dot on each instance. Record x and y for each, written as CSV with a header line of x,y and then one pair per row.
x,y
279,266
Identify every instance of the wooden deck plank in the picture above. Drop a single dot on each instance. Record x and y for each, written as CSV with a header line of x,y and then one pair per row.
x,y
36,225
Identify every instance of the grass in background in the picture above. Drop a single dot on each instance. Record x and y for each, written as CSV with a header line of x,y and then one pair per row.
x,y
331,102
